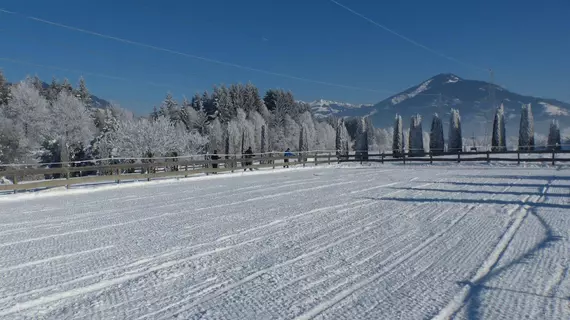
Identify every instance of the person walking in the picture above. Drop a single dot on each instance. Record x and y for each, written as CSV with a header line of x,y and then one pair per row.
x,y
215,157
287,153
248,154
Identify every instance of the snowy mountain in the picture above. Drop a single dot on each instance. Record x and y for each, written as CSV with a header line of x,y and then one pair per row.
x,y
471,97
323,108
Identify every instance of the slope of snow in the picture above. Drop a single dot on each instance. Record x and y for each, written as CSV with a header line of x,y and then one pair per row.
x,y
554,110
345,242
421,88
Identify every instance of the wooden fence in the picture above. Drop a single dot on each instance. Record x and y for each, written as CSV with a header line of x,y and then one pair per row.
x,y
68,174
546,156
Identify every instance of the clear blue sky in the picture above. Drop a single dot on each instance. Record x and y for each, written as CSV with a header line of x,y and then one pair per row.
x,y
527,42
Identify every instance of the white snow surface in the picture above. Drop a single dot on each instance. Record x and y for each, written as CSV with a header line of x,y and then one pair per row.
x,y
553,110
421,88
344,242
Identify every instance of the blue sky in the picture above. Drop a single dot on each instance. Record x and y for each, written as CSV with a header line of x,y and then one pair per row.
x,y
526,42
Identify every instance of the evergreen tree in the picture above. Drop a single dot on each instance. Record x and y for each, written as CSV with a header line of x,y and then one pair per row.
x,y
67,86
416,142
4,90
554,141
83,93
526,129
455,135
362,140
38,84
398,138
53,90
169,109
338,136
237,96
263,146
253,101
224,106
436,139
498,141
197,102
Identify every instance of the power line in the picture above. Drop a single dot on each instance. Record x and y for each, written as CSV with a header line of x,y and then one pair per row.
x,y
187,55
408,39
99,53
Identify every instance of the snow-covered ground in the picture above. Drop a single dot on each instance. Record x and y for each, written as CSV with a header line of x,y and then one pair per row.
x,y
349,242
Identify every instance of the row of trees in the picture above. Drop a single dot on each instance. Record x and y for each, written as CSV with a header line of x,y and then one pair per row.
x,y
57,123
416,138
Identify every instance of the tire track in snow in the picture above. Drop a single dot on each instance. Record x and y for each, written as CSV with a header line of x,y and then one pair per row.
x,y
101,285
351,234
259,273
54,258
181,250
323,306
461,298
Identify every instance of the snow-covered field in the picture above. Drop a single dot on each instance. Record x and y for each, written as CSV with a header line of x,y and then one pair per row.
x,y
351,242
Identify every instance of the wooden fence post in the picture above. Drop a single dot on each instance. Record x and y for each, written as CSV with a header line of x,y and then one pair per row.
x,y
553,156
488,157
272,160
404,157
518,156
15,181
430,157
66,177
315,159
329,158
458,156
382,157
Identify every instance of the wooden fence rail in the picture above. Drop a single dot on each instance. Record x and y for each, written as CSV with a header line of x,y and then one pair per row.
x,y
67,175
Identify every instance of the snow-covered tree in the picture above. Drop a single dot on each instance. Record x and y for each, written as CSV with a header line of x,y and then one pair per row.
x,y
256,122
71,124
342,139
383,140
216,136
426,141
264,140
436,140
83,93
325,136
361,146
526,129
498,140
154,138
224,105
25,123
372,143
305,119
66,86
4,90
416,143
170,109
398,137
554,140
191,118
455,135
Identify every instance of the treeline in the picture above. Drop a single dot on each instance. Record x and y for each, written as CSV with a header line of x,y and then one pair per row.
x,y
58,123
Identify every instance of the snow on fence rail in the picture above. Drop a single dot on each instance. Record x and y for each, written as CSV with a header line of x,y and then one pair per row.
x,y
73,173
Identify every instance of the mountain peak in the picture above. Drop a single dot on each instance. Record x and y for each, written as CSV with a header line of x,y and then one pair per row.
x,y
446,78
